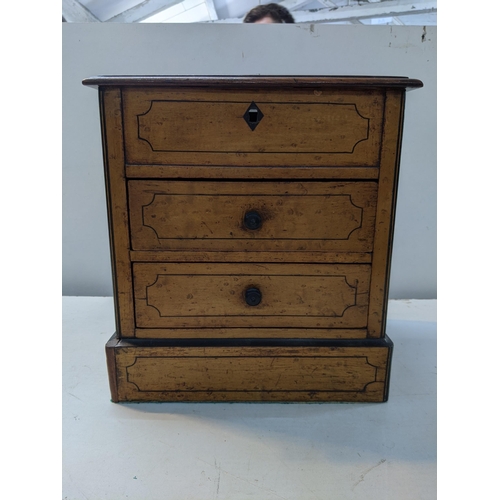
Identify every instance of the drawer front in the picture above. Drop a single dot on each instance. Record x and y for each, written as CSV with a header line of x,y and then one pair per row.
x,y
293,128
252,216
251,295
252,373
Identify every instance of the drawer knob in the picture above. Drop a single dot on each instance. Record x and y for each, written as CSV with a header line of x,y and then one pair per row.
x,y
252,220
253,296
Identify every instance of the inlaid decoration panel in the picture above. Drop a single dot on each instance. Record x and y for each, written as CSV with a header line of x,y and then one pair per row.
x,y
253,374
265,216
216,295
241,128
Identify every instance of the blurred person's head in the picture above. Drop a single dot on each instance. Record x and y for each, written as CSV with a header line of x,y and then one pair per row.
x,y
272,13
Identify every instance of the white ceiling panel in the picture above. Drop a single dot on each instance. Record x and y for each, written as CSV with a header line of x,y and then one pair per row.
x,y
369,12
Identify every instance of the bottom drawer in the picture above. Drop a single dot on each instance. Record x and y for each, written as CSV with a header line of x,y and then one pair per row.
x,y
339,371
214,295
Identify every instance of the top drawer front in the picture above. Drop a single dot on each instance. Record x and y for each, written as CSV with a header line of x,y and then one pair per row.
x,y
292,128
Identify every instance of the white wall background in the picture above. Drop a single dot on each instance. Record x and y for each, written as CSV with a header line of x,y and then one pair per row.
x,y
232,49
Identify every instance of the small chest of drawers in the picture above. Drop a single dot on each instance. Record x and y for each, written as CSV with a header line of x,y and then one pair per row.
x,y
251,223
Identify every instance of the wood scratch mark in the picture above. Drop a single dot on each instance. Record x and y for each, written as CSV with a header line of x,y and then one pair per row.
x,y
205,224
364,473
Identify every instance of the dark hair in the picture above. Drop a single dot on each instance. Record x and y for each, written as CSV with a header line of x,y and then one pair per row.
x,y
276,12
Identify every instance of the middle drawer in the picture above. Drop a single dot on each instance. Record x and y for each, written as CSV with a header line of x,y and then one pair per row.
x,y
252,216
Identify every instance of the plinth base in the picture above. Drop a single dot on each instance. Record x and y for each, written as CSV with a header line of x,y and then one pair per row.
x,y
249,370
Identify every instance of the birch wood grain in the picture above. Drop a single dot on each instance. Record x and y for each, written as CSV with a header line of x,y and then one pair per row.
x,y
308,127
241,171
250,333
386,208
319,256
116,191
253,373
295,216
213,295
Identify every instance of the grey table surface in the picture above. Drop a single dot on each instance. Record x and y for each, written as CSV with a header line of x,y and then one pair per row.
x,y
207,451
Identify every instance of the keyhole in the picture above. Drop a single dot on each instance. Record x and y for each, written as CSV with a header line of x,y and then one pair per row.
x,y
252,115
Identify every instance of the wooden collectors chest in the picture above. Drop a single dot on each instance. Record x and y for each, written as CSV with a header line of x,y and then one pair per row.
x,y
251,223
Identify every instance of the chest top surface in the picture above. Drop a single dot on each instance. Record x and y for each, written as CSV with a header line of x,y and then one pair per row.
x,y
254,81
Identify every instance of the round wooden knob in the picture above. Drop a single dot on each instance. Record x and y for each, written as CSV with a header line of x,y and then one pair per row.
x,y
252,220
253,296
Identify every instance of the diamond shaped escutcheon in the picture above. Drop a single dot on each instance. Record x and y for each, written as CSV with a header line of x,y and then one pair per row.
x,y
253,116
